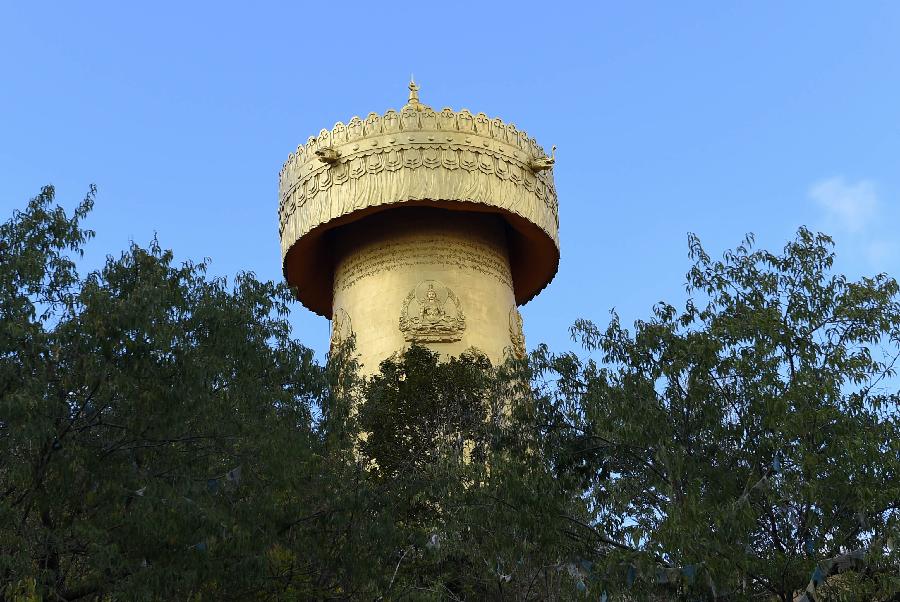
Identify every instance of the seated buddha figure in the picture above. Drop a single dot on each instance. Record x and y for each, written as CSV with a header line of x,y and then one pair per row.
x,y
425,316
432,311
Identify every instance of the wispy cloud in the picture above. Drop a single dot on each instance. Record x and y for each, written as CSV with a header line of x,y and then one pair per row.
x,y
880,253
848,206
854,212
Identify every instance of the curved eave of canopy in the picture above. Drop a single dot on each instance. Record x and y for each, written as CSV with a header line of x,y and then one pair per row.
x,y
309,262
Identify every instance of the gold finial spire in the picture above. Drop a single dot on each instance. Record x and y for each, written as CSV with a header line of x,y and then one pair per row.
x,y
414,95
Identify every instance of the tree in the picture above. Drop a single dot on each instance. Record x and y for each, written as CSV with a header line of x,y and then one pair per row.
x,y
462,502
163,436
746,446
151,420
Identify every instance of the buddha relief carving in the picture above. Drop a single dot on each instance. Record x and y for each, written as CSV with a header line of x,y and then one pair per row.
x,y
431,313
341,329
516,334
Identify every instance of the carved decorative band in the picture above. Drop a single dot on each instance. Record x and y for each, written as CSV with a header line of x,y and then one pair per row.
x,y
446,174
392,179
415,154
451,155
412,119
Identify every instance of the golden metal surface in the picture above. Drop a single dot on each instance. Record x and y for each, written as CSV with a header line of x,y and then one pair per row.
x,y
421,227
413,101
430,276
450,159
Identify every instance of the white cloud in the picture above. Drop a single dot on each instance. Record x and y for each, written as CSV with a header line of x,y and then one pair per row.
x,y
881,253
848,206
853,212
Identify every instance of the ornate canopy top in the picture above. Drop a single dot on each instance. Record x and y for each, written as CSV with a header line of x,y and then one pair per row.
x,y
454,160
413,117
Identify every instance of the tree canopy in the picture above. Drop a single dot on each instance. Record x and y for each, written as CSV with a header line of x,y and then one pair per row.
x,y
164,436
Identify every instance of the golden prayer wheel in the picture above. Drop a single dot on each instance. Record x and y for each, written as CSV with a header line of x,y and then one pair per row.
x,y
422,227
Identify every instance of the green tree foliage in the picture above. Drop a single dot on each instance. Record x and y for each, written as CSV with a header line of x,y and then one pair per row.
x,y
747,446
151,419
163,436
471,508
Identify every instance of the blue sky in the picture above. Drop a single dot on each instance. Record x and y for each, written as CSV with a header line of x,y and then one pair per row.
x,y
670,118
